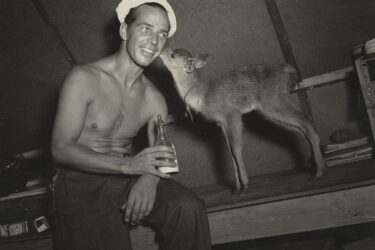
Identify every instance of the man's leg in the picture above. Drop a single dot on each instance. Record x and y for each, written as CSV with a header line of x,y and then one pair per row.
x,y
88,212
180,218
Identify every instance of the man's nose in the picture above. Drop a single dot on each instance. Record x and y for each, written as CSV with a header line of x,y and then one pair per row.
x,y
154,39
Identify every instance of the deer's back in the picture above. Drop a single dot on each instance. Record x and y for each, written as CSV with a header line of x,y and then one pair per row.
x,y
248,86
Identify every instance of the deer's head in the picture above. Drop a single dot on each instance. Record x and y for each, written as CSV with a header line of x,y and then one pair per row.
x,y
181,62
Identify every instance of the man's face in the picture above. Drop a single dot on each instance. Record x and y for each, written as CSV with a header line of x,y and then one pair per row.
x,y
147,35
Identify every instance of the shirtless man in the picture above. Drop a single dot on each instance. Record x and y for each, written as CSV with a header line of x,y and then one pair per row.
x,y
102,107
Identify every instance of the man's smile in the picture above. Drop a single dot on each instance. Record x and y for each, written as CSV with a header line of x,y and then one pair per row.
x,y
148,52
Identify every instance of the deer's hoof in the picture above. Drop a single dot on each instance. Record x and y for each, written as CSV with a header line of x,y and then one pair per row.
x,y
237,191
320,172
244,190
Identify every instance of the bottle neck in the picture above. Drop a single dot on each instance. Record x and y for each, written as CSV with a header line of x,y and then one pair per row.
x,y
161,130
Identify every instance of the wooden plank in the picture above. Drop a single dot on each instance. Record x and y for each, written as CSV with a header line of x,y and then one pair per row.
x,y
367,92
371,117
321,211
40,244
285,196
341,208
288,185
36,192
329,77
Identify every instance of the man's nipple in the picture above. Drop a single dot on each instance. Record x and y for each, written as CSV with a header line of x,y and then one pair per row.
x,y
94,126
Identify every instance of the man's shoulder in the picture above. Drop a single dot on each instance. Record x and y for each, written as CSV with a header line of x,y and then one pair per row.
x,y
80,81
82,75
87,70
94,72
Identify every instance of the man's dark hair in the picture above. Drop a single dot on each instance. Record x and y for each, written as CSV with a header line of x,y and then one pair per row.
x,y
130,18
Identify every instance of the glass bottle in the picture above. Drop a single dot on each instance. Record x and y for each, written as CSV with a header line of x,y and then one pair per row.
x,y
162,139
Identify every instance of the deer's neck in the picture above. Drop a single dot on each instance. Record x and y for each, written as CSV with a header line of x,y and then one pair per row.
x,y
192,91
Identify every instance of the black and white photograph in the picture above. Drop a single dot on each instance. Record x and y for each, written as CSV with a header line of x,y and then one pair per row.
x,y
187,125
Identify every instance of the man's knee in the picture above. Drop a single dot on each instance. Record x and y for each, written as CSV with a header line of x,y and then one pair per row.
x,y
188,204
178,202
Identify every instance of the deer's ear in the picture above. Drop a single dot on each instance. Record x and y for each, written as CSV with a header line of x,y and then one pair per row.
x,y
201,60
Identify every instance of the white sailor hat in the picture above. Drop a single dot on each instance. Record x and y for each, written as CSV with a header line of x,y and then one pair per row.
x,y
125,5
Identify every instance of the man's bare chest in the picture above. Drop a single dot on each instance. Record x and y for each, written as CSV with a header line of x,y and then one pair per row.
x,y
116,117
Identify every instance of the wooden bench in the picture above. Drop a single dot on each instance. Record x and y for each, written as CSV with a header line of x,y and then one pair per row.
x,y
284,203
277,204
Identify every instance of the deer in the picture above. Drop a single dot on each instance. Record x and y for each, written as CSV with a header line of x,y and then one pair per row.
x,y
225,100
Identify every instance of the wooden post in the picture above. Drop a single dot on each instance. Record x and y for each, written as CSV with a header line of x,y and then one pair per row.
x,y
43,13
368,89
286,49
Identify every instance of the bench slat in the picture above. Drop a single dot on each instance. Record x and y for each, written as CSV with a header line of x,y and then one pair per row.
x,y
321,211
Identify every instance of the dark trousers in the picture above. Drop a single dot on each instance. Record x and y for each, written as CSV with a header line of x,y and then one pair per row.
x,y
88,215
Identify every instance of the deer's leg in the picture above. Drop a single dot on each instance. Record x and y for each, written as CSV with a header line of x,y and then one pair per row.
x,y
286,115
235,168
233,133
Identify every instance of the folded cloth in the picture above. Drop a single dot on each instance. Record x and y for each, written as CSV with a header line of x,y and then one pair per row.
x,y
125,5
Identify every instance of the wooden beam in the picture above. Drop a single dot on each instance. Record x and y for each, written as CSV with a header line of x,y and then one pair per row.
x,y
43,13
287,51
368,91
326,78
281,34
308,213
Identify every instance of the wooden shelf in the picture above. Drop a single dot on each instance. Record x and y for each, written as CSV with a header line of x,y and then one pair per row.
x,y
285,203
289,184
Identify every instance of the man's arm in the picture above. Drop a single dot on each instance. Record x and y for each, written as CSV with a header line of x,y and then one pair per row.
x,y
143,194
75,97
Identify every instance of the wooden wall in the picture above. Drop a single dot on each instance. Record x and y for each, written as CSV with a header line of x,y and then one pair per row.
x,y
235,33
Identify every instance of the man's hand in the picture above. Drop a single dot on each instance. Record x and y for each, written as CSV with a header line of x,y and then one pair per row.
x,y
147,160
141,199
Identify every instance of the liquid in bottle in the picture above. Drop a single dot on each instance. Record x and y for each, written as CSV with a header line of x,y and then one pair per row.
x,y
162,139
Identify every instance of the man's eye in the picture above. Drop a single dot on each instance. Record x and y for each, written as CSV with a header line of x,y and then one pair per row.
x,y
163,35
145,29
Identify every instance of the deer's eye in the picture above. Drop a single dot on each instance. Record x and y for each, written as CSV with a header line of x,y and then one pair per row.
x,y
172,56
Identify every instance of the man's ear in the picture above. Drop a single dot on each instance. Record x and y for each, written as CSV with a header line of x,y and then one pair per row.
x,y
201,60
123,31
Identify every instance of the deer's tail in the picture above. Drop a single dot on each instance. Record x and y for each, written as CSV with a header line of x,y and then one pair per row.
x,y
293,76
288,68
